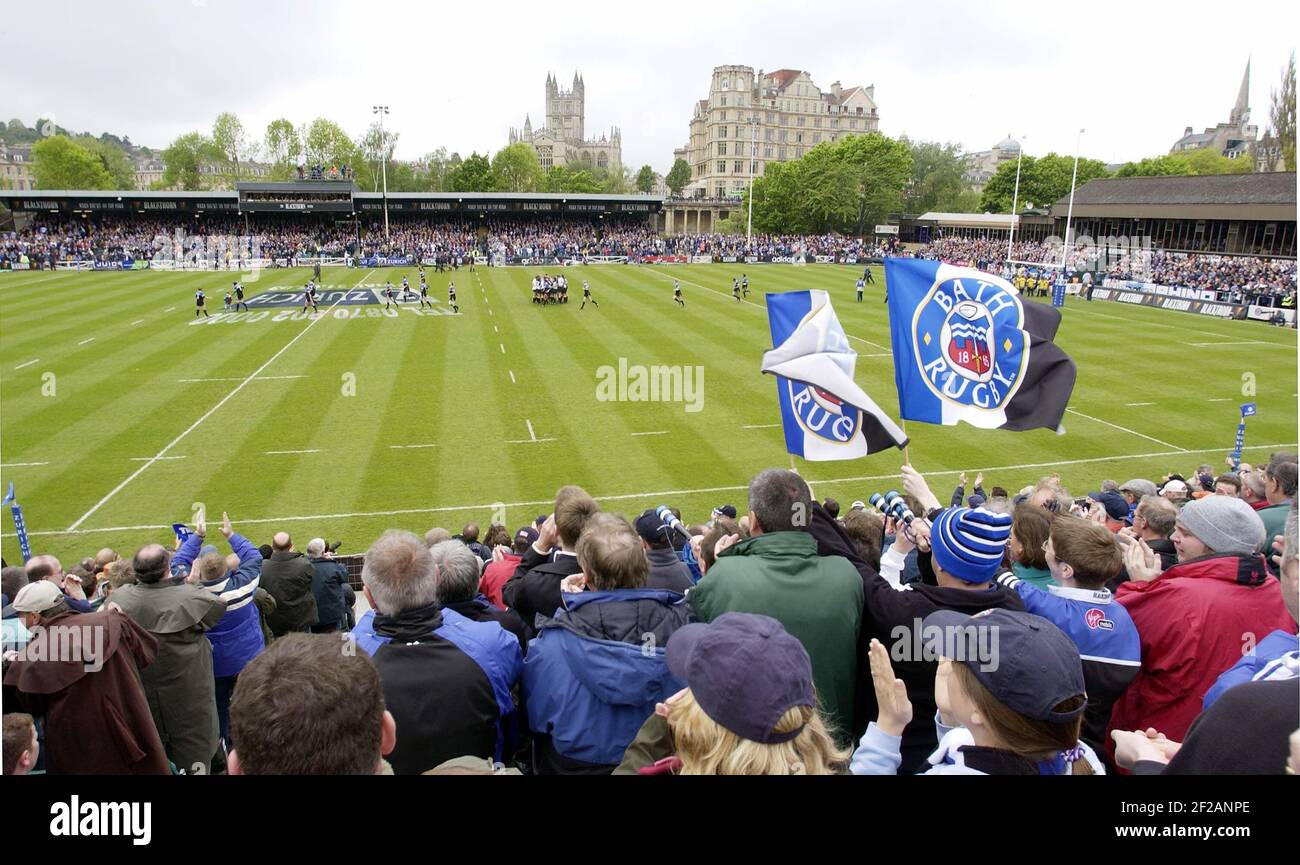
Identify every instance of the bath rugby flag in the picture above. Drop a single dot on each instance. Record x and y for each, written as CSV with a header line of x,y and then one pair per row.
x,y
968,348
826,416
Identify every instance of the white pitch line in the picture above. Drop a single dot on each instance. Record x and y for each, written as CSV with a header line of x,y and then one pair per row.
x,y
146,459
19,465
1138,403
29,363
84,341
751,303
760,425
1127,430
512,376
1091,311
503,347
529,441
134,323
662,432
304,451
237,378
405,447
1220,399
494,329
207,414
169,309
532,435
1235,342
657,494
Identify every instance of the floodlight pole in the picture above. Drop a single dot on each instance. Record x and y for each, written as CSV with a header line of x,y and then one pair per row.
x,y
753,155
381,110
1015,197
1069,211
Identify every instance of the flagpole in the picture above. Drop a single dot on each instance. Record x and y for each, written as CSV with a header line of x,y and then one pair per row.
x,y
902,424
1015,197
1069,213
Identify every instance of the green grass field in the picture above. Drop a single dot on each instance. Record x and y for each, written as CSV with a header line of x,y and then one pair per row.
x,y
361,422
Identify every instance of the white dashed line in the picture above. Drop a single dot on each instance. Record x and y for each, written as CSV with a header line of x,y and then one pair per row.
x,y
169,309
18,465
662,432
1220,399
494,329
160,459
236,378
529,441
404,447
503,347
306,451
29,363
532,435
134,323
512,376
84,341
760,425
1138,403
1235,342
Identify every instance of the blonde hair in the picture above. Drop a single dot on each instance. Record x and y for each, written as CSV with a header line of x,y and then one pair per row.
x,y
705,747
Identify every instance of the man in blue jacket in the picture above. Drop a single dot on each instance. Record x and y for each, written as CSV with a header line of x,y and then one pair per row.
x,y
1082,556
237,638
596,669
447,679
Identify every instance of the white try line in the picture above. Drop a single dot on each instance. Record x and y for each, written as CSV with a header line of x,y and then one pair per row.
x,y
760,425
29,363
207,414
1090,311
405,447
1126,429
751,303
147,459
303,451
1235,342
84,341
529,441
20,465
662,432
660,494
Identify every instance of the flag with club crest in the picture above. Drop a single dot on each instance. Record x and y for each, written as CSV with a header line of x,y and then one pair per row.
x,y
826,416
967,347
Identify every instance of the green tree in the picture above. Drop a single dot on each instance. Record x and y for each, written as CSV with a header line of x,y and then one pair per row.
x,y
515,169
114,159
472,175
59,162
678,176
283,148
229,138
1282,115
186,157
325,143
937,182
1044,181
645,179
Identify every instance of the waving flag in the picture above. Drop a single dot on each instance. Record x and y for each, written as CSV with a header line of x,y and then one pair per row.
x,y
968,348
825,414
20,527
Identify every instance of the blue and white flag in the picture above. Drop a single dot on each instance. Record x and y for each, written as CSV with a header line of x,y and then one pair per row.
x,y
1249,409
825,414
968,348
20,526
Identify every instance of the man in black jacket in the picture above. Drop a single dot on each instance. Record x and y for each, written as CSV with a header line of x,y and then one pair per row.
x,y
667,571
534,588
329,585
1153,522
287,576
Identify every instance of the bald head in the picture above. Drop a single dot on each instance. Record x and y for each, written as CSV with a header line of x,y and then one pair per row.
x,y
44,568
104,558
282,541
150,563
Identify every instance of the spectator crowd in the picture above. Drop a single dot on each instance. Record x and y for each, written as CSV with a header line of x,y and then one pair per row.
x,y
1147,627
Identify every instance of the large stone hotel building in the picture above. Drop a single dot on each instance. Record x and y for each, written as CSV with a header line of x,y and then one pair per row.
x,y
751,119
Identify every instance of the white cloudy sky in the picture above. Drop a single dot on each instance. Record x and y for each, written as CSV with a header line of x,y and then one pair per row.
x,y
1133,74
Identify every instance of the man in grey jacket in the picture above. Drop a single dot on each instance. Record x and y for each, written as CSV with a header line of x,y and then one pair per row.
x,y
667,571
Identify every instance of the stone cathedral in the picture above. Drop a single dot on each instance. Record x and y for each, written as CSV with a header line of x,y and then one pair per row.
x,y
563,141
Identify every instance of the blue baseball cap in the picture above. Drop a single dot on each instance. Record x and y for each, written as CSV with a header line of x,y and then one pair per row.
x,y
746,671
1037,666
1115,504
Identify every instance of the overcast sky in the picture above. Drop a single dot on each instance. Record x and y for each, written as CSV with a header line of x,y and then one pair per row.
x,y
1132,74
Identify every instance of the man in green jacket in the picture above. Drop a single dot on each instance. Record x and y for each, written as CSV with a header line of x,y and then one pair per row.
x,y
777,573
1280,488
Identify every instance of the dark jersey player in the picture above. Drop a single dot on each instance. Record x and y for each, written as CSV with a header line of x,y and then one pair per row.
x,y
309,297
239,297
744,285
424,293
200,304
586,296
390,295
735,289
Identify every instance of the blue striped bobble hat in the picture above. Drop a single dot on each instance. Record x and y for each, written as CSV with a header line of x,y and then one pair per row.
x,y
969,543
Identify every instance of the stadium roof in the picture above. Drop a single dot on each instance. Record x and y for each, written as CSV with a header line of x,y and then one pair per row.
x,y
975,220
1262,196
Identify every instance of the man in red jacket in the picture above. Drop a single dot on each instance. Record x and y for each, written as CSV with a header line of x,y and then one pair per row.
x,y
1197,618
503,564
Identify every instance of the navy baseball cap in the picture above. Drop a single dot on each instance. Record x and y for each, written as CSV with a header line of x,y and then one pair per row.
x,y
1114,503
527,533
745,671
725,511
1036,666
651,527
